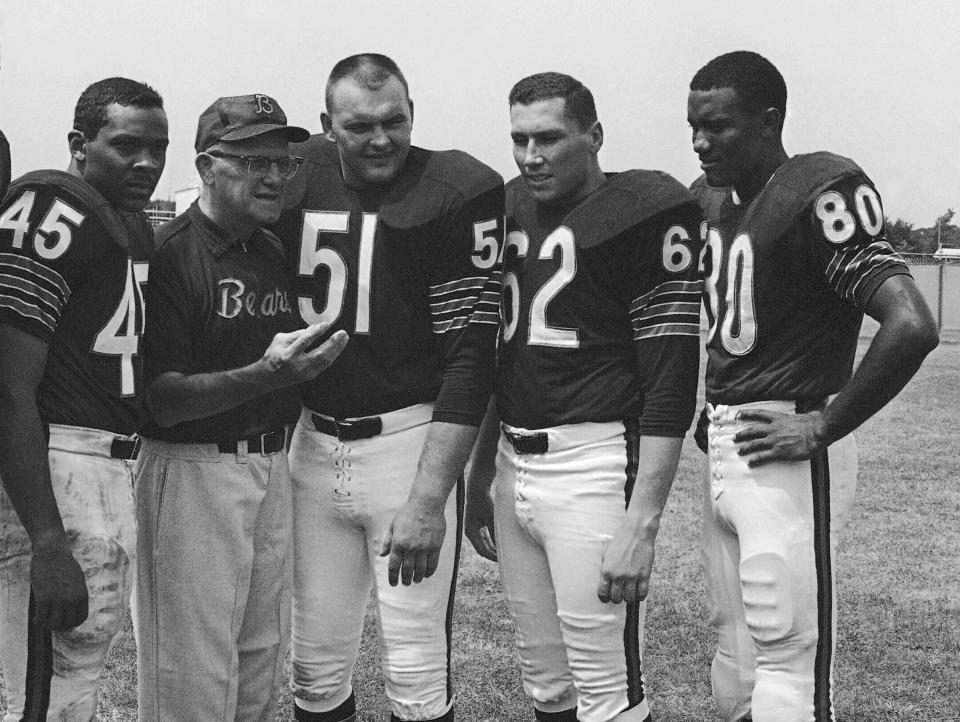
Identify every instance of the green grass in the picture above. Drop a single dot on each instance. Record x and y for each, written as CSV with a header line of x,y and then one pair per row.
x,y
899,576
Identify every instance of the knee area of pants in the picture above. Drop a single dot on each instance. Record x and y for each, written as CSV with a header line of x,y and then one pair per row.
x,y
767,600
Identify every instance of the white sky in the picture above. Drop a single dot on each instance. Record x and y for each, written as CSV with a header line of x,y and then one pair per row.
x,y
875,80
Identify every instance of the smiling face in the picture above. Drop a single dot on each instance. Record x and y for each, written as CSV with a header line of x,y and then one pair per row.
x,y
124,160
556,157
238,199
371,127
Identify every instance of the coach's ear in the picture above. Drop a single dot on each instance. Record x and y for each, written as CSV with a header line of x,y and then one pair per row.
x,y
204,164
77,142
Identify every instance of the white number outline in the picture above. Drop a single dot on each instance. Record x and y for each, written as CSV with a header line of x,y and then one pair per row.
x,y
17,217
485,248
740,274
57,223
860,197
520,241
670,249
111,340
539,332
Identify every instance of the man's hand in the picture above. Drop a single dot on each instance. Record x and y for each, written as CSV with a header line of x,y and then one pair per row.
x,y
413,542
59,587
478,523
773,436
289,358
627,564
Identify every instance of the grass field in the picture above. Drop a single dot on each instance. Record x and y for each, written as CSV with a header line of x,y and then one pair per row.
x,y
899,575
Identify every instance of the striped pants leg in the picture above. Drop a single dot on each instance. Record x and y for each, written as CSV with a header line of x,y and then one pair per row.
x,y
769,535
555,513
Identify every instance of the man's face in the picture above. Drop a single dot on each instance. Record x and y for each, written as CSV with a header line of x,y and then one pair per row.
x,y
242,199
553,153
371,128
126,157
728,139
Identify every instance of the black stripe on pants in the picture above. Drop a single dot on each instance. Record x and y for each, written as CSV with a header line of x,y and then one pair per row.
x,y
39,668
820,477
631,629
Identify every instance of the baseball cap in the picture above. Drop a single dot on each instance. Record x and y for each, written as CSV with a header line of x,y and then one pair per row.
x,y
244,116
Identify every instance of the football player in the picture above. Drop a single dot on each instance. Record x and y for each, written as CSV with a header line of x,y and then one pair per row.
x,y
73,260
397,246
597,388
795,255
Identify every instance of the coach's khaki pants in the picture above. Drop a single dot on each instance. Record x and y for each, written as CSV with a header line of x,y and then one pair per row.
x,y
213,588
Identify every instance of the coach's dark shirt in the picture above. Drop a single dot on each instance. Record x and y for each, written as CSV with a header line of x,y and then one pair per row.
x,y
215,303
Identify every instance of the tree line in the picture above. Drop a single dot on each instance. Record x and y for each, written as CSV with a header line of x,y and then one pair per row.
x,y
906,239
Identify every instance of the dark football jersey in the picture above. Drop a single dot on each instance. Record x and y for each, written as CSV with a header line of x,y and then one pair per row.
x,y
72,271
788,275
600,307
410,270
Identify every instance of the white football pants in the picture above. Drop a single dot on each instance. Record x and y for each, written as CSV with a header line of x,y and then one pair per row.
x,y
554,515
769,537
345,494
54,675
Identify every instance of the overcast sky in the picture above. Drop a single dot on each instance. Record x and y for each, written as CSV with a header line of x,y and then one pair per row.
x,y
875,80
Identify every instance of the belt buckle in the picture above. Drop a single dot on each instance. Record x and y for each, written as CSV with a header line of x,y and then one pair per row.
x,y
344,426
137,443
264,437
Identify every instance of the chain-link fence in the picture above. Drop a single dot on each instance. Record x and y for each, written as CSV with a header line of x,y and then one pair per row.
x,y
938,277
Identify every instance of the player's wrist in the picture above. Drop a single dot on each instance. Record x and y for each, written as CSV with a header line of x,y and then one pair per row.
x,y
49,541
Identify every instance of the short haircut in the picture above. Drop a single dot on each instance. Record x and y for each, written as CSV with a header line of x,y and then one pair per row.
x,y
579,104
90,114
370,70
757,82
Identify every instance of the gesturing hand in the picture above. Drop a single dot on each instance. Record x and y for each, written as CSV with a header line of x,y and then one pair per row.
x,y
774,436
290,360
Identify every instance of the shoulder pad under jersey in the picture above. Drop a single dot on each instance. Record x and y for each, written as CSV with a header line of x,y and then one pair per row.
x,y
83,192
433,184
624,201
792,188
709,198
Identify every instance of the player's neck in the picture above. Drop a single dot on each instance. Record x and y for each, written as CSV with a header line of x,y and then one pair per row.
x,y
768,165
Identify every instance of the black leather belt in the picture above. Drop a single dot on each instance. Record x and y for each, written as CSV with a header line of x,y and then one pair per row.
x,y
125,448
269,442
348,430
528,443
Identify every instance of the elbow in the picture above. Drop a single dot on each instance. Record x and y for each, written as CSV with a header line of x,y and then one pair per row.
x,y
919,335
925,335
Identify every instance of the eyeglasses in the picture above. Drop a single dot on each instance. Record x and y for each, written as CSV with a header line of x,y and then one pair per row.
x,y
259,165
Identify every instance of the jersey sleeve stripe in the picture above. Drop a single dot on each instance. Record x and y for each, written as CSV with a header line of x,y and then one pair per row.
x,y
679,289
850,270
470,283
475,299
32,290
28,311
667,329
670,309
